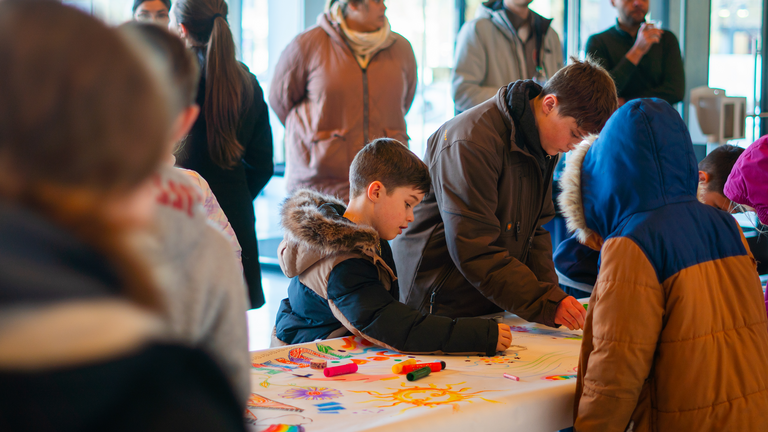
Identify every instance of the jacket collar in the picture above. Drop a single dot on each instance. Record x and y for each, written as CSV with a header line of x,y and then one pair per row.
x,y
494,11
315,228
334,31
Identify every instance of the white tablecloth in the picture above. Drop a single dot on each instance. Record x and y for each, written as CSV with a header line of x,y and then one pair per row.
x,y
470,394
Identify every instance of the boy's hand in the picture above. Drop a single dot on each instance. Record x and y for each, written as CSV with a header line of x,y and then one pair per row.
x,y
571,314
505,338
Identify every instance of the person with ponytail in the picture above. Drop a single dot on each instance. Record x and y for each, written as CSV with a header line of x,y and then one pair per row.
x,y
230,144
84,124
338,86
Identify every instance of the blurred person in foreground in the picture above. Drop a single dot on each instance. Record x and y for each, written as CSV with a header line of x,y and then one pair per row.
x,y
84,123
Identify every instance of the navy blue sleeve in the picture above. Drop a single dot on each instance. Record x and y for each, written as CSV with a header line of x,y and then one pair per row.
x,y
362,303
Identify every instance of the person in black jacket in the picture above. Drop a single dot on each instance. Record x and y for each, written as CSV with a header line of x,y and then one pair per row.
x,y
643,60
230,144
84,124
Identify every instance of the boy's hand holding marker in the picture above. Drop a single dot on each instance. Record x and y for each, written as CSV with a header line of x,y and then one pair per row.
x,y
571,314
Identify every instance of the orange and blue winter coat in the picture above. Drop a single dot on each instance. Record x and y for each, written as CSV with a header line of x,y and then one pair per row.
x,y
676,336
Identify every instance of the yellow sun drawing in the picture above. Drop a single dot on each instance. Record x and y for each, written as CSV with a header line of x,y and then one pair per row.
x,y
431,396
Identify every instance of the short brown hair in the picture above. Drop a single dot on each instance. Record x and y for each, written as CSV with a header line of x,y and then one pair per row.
x,y
390,162
719,164
586,92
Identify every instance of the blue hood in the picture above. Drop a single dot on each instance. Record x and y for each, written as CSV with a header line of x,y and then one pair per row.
x,y
642,160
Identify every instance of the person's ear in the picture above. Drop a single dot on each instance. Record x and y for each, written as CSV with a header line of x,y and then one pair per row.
x,y
703,177
183,32
184,122
549,104
375,191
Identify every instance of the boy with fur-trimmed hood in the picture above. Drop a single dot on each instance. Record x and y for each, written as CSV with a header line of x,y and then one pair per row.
x,y
675,337
344,276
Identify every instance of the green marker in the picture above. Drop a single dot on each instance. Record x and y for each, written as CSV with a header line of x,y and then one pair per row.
x,y
418,373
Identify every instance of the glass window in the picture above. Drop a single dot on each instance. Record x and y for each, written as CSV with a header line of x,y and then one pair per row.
x,y
433,42
734,55
595,16
113,12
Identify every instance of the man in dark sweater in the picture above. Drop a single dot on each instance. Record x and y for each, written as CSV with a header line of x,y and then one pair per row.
x,y
643,60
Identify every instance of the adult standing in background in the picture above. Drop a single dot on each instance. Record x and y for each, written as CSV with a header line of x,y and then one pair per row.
x,y
643,60
155,11
230,144
338,86
505,42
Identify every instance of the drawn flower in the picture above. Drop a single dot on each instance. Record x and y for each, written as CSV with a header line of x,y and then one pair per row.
x,y
311,393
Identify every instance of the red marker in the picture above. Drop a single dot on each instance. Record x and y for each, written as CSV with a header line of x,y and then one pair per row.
x,y
340,370
434,367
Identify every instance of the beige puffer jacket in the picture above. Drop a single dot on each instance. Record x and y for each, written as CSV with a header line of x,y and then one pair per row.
x,y
331,107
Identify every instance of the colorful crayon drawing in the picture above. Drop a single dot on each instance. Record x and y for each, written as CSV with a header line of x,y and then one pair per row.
x,y
363,378
558,377
298,358
430,397
284,428
356,345
258,401
546,332
330,408
311,393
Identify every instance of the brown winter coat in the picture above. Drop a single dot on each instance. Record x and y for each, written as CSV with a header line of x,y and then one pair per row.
x,y
477,245
331,107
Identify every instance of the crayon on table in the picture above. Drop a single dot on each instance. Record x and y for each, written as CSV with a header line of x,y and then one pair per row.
x,y
340,370
418,374
512,377
398,368
318,364
434,367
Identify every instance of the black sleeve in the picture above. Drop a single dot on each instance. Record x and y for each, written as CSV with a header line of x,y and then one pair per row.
x,y
258,155
621,72
360,302
672,88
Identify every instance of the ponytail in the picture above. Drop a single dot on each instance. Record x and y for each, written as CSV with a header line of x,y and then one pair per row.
x,y
227,90
228,87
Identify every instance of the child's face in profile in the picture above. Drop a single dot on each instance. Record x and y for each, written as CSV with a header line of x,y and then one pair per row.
x,y
394,211
714,199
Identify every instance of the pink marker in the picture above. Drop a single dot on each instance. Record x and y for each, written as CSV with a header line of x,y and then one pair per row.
x,y
512,377
340,370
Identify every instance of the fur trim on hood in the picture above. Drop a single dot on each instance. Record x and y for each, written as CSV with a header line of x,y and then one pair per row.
x,y
570,199
313,232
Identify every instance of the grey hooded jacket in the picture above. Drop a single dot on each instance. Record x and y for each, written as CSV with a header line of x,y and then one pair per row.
x,y
490,55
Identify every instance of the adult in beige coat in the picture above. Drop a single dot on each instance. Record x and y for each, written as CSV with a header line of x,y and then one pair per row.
x,y
338,86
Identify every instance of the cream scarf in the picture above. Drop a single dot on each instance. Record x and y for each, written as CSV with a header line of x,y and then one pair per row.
x,y
364,45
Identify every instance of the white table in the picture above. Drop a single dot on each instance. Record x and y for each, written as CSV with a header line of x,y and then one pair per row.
x,y
470,394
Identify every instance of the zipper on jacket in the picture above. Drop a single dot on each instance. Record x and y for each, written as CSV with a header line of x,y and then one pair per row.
x,y
365,106
517,231
435,289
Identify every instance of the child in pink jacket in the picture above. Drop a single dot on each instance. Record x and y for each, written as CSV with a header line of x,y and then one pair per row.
x,y
748,182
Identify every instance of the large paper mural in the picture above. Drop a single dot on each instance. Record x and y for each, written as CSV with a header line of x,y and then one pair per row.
x,y
289,395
